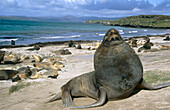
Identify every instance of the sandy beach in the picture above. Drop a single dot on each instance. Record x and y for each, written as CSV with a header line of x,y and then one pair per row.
x,y
80,61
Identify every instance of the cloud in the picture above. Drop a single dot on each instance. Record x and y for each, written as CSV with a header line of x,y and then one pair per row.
x,y
163,6
82,7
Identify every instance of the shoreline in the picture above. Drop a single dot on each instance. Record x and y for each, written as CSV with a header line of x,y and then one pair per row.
x,y
43,44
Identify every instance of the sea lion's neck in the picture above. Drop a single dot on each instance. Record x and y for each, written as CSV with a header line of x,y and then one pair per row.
x,y
112,43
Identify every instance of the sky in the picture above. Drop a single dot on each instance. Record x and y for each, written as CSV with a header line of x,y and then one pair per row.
x,y
99,8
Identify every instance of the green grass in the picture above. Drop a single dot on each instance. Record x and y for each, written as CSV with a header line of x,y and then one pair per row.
x,y
20,85
142,21
156,76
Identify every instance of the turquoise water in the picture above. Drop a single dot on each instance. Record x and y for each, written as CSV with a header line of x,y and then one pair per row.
x,y
28,32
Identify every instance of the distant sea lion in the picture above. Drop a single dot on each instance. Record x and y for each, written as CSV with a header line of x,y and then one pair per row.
x,y
133,43
37,58
78,46
167,38
23,73
36,47
147,45
10,58
63,52
71,43
2,53
118,71
12,42
7,74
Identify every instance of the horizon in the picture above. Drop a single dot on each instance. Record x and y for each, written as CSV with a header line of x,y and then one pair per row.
x,y
81,8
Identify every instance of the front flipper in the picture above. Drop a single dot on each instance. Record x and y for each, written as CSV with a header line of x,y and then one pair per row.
x,y
100,102
66,98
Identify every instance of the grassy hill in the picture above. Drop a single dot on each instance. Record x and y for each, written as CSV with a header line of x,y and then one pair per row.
x,y
141,21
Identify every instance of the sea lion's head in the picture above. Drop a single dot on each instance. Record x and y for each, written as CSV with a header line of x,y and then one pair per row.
x,y
112,37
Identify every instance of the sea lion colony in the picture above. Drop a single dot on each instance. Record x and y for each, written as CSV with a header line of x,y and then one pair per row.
x,y
118,71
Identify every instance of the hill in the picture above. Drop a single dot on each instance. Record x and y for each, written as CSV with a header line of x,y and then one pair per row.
x,y
56,19
141,21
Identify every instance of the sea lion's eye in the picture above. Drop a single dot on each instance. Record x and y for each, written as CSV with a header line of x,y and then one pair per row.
x,y
111,33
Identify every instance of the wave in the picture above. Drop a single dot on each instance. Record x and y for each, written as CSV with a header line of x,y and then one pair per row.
x,y
59,37
100,34
104,34
7,40
120,30
133,31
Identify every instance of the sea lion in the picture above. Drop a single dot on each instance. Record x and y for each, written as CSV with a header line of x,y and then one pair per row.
x,y
167,38
2,53
24,72
78,46
37,58
83,85
11,59
133,43
36,47
146,45
118,70
71,43
7,74
12,42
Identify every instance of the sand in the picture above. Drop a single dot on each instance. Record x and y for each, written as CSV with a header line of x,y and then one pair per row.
x,y
79,62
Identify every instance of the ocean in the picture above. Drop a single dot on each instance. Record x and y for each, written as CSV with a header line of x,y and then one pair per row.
x,y
28,32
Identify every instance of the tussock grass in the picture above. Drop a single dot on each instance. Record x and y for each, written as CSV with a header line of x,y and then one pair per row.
x,y
156,76
20,85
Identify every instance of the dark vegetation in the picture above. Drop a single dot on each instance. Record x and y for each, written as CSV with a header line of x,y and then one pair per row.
x,y
141,21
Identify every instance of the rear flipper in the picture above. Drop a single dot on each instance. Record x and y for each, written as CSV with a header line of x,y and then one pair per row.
x,y
66,97
100,102
57,97
144,85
